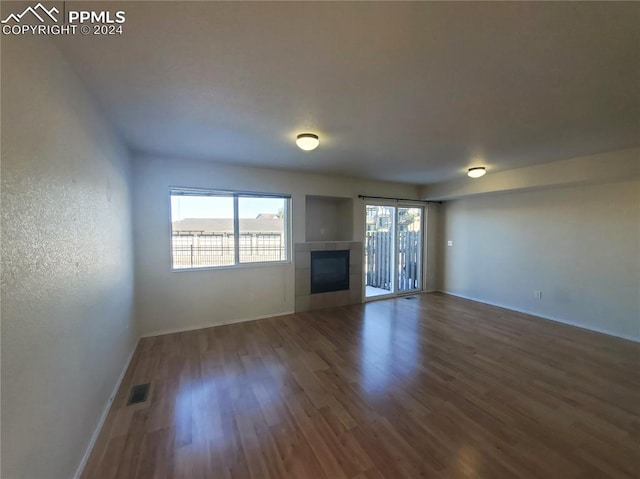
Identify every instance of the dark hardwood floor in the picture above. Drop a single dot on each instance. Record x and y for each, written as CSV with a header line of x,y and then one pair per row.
x,y
434,386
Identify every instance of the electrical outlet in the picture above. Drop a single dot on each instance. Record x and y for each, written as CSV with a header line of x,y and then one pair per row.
x,y
538,294
449,243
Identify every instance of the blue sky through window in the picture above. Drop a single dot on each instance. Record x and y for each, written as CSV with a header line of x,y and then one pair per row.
x,y
221,207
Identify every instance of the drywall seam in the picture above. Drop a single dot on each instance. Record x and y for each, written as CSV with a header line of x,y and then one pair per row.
x,y
612,166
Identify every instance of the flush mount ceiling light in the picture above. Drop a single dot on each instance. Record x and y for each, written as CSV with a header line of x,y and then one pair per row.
x,y
307,141
477,172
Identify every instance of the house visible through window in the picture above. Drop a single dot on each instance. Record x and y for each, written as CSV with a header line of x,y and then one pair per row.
x,y
212,229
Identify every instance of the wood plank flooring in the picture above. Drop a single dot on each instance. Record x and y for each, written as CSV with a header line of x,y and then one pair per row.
x,y
434,387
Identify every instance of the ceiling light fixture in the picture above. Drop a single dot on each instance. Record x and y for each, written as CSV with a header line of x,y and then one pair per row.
x,y
477,172
307,141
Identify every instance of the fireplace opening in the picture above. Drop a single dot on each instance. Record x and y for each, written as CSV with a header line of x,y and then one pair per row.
x,y
329,271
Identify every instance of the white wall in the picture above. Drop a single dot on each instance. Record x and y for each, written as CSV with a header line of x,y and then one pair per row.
x,y
579,245
67,278
167,301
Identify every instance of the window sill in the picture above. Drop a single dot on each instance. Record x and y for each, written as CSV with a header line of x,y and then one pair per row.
x,y
232,266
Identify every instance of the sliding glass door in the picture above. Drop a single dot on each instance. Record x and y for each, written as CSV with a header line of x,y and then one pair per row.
x,y
409,249
379,250
393,250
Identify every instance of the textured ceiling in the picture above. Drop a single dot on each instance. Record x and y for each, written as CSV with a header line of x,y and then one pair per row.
x,y
410,92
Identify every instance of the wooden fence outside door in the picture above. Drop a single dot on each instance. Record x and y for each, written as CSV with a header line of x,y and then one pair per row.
x,y
379,260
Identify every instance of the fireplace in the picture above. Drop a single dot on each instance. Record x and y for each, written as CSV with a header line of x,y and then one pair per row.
x,y
329,271
334,268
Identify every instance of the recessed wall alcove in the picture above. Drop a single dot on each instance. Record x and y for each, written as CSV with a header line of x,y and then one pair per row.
x,y
329,218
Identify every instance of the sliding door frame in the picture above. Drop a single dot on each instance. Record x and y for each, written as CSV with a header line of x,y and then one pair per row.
x,y
420,272
395,260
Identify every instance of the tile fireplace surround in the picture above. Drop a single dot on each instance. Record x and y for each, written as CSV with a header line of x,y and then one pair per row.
x,y
305,301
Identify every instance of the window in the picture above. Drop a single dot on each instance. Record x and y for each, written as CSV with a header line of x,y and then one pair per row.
x,y
211,229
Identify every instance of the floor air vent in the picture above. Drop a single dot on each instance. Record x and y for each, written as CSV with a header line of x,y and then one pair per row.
x,y
409,297
138,394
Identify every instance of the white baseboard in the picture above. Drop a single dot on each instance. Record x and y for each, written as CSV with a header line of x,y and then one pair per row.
x,y
103,417
548,318
212,325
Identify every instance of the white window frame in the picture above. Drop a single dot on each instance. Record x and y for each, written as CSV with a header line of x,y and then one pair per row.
x,y
181,191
